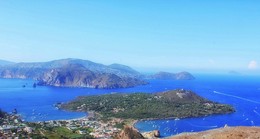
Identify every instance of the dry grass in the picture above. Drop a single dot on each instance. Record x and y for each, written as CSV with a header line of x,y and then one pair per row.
x,y
223,133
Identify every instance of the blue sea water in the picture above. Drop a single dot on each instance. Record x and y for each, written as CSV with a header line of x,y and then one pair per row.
x,y
242,92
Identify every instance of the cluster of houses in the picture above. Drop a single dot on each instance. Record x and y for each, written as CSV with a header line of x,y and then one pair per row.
x,y
12,127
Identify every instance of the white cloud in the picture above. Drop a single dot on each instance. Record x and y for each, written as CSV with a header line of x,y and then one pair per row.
x,y
252,65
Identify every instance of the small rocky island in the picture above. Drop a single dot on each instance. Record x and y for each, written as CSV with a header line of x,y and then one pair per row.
x,y
170,104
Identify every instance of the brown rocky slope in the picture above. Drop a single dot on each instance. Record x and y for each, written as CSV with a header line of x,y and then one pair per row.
x,y
240,132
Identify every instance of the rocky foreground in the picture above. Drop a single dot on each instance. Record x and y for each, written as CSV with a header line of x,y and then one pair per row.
x,y
239,132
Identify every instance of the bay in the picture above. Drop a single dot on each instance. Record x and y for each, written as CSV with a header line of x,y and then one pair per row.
x,y
242,92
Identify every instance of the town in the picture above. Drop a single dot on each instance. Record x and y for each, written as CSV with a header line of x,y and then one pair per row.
x,y
11,126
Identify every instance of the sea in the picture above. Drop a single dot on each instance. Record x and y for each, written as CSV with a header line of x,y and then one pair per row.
x,y
242,92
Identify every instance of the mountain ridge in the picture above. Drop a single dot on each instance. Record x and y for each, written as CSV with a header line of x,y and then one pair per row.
x,y
5,62
94,75
76,75
97,67
115,76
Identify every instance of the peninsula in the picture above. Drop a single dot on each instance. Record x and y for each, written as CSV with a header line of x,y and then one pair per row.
x,y
170,104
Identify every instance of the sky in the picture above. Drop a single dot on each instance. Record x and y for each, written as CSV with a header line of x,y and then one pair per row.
x,y
173,35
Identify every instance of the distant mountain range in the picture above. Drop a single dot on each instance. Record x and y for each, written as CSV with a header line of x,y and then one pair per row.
x,y
81,73
232,72
74,73
172,76
4,63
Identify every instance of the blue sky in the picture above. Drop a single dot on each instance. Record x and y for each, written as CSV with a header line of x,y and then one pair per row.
x,y
171,35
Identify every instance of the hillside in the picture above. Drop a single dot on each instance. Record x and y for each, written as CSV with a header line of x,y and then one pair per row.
x,y
170,104
223,133
172,76
76,75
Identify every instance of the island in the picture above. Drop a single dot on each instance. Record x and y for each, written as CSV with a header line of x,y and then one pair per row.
x,y
173,76
74,73
178,103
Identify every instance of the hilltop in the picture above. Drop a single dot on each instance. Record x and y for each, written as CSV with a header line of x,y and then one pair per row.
x,y
169,104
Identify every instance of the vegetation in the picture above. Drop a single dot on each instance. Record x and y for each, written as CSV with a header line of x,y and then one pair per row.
x,y
46,131
59,132
171,104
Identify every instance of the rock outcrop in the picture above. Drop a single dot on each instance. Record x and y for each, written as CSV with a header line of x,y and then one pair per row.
x,y
129,133
152,134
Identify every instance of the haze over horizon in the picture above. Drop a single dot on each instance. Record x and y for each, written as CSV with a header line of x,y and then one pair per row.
x,y
147,35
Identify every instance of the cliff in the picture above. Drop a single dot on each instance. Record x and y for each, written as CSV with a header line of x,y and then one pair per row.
x,y
76,75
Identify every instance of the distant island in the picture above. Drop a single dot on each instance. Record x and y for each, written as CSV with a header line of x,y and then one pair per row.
x,y
82,73
73,73
4,62
232,72
172,76
76,75
169,104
